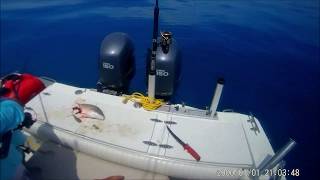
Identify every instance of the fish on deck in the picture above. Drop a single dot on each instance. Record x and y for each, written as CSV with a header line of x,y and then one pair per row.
x,y
82,111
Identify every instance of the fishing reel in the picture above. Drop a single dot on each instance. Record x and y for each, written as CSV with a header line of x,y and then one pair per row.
x,y
28,121
166,40
5,139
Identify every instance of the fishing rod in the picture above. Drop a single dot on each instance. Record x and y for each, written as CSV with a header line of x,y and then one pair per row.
x,y
152,67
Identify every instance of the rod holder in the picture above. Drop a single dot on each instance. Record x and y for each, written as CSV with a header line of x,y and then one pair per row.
x,y
152,68
279,155
216,97
151,87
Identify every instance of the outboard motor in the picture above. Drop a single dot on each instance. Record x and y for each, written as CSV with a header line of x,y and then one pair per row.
x,y
163,62
168,65
116,64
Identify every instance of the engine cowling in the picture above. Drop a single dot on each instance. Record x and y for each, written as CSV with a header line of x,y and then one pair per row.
x,y
116,63
168,66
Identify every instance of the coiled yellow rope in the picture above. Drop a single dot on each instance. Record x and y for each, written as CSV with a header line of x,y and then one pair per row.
x,y
145,101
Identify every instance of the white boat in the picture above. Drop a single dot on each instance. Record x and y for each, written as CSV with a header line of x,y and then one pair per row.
x,y
231,145
226,145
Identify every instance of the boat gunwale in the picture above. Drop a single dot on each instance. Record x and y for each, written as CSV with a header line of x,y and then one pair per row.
x,y
144,154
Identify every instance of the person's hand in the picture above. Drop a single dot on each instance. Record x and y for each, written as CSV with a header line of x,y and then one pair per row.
x,y
113,178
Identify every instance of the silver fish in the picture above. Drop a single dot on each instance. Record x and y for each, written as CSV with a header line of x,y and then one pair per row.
x,y
81,111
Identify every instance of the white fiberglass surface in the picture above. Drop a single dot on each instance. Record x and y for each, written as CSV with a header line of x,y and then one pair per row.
x,y
120,127
215,141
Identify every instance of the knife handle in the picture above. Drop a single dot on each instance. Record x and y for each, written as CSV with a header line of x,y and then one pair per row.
x,y
191,151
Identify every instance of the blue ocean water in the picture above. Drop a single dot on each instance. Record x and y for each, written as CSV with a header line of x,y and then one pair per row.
x,y
267,51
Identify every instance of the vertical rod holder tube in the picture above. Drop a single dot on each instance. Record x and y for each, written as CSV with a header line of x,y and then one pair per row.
x,y
216,97
279,155
151,87
152,70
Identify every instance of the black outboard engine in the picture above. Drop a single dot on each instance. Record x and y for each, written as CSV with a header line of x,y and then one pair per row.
x,y
168,65
116,64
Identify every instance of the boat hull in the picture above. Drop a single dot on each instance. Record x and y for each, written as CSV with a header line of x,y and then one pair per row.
x,y
228,145
130,158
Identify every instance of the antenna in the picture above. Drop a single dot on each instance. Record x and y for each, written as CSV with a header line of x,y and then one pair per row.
x,y
152,70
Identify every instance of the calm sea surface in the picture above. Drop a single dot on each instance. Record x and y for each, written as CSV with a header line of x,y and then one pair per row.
x,y
267,51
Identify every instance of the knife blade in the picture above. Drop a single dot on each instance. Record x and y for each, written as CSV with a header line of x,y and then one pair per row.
x,y
185,146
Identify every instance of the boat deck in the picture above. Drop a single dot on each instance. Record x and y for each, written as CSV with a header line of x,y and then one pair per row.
x,y
228,140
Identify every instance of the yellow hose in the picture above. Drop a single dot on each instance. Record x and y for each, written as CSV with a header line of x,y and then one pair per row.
x,y
145,101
